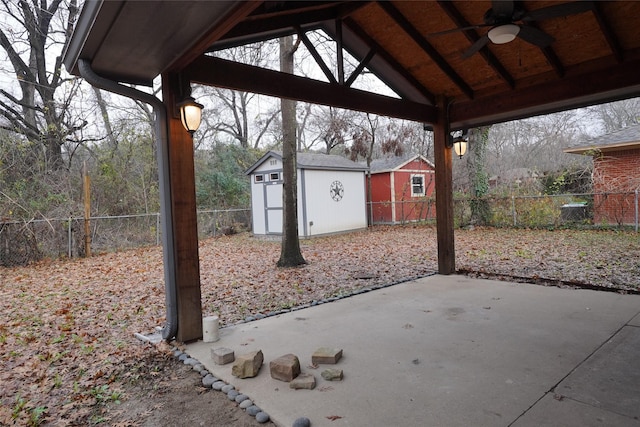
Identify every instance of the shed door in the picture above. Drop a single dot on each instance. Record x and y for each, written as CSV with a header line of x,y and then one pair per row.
x,y
273,207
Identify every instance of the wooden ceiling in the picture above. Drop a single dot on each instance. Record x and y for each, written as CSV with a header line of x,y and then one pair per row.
x,y
595,55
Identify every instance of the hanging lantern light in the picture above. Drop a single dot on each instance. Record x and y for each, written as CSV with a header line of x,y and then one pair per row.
x,y
190,114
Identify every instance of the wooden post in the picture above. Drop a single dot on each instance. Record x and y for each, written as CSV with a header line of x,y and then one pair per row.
x,y
444,191
86,183
185,227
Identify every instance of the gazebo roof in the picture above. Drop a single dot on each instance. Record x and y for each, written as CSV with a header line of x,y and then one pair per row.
x,y
594,57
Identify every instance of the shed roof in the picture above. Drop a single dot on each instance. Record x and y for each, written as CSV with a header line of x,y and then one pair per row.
x,y
392,163
315,161
627,138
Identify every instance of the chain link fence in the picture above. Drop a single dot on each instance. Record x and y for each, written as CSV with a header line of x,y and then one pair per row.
x,y
602,209
22,242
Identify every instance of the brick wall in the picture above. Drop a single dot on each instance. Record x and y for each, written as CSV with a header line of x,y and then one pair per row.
x,y
616,177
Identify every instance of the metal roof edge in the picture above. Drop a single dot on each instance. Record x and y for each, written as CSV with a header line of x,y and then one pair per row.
x,y
81,30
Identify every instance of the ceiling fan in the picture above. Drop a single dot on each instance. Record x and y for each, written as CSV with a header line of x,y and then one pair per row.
x,y
508,20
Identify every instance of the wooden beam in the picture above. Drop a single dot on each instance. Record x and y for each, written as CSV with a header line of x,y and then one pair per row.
x,y
219,28
577,89
185,224
382,53
444,191
472,35
316,55
608,33
212,71
421,41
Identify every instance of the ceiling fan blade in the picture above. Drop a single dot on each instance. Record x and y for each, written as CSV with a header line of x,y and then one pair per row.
x,y
558,10
502,8
535,36
479,44
456,30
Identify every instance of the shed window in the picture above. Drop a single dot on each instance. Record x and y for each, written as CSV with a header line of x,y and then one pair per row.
x,y
259,178
417,185
274,176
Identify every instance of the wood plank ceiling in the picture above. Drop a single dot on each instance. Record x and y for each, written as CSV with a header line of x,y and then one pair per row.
x,y
594,56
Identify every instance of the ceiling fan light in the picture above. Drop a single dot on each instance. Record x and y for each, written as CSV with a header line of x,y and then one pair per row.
x,y
504,33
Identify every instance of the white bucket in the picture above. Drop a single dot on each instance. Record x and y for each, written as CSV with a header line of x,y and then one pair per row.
x,y
210,329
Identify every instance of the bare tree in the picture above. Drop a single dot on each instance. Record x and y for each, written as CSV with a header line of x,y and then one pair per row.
x,y
616,115
32,35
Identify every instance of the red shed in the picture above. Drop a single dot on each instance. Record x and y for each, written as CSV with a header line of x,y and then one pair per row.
x,y
401,190
616,175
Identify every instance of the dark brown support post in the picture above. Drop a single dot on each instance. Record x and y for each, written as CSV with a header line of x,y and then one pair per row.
x,y
183,204
444,191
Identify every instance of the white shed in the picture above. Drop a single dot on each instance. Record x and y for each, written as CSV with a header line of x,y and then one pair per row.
x,y
331,194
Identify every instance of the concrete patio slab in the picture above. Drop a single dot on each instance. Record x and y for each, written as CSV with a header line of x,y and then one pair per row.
x,y
439,351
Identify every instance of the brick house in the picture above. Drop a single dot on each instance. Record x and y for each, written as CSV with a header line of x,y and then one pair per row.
x,y
401,189
616,174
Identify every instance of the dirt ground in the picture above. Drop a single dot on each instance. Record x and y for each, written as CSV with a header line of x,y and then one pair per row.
x,y
171,394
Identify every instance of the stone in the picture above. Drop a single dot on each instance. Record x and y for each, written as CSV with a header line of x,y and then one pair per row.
x,y
209,380
285,368
190,361
332,374
222,355
326,356
218,385
246,403
241,398
262,417
232,394
303,381
302,422
247,365
227,388
253,410
198,367
183,357
177,353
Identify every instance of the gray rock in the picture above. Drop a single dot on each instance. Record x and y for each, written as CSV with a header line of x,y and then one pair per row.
x,y
232,394
204,373
262,417
190,361
285,368
222,355
246,403
247,365
177,353
198,367
303,381
253,410
302,422
209,380
218,385
326,355
332,374
227,388
183,357
241,398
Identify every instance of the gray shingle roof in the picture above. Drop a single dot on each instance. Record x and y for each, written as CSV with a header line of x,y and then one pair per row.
x,y
628,137
314,161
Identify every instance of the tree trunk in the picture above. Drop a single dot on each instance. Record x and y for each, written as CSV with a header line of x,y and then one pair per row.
x,y
290,255
478,177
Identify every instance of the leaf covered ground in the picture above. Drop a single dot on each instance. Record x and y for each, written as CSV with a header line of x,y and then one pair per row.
x,y
67,345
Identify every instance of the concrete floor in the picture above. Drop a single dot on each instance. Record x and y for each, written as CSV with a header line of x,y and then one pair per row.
x,y
452,351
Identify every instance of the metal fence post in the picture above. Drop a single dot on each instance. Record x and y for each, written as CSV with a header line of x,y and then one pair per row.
x,y
636,210
513,210
69,238
158,229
